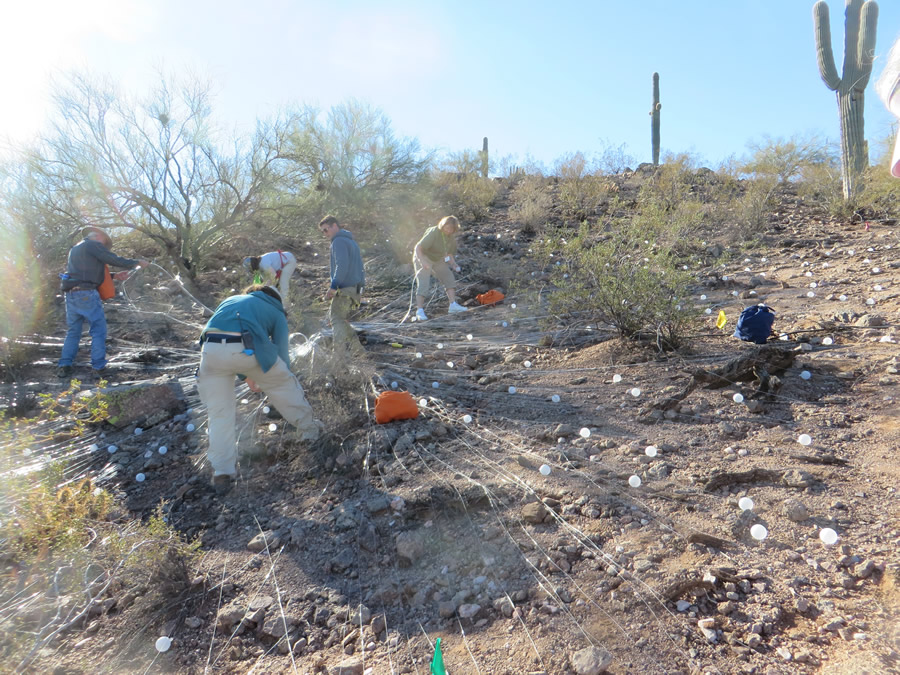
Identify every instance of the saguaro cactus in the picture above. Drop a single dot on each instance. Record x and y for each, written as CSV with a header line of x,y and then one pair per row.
x,y
859,50
485,165
654,120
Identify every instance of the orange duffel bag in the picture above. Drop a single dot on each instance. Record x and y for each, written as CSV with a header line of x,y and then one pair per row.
x,y
490,298
395,405
107,289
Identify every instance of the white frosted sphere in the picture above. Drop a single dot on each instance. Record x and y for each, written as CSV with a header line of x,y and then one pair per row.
x,y
804,439
634,481
138,431
810,295
545,469
111,449
512,390
584,432
527,364
513,305
703,297
651,451
418,355
469,336
708,310
467,419
759,532
440,345
805,375
394,385
828,536
140,478
738,398
163,644
617,378
449,364
423,402
555,398
162,450
745,504
435,385
273,427
190,427
827,341
635,392
93,447
266,410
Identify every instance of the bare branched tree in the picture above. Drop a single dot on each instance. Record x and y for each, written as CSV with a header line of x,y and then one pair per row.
x,y
156,166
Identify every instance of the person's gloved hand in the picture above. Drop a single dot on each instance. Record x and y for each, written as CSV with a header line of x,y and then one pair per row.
x,y
120,276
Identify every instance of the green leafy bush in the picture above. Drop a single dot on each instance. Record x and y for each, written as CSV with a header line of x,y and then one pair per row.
x,y
530,204
621,278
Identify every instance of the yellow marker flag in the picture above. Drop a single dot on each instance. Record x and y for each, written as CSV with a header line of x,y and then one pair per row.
x,y
722,320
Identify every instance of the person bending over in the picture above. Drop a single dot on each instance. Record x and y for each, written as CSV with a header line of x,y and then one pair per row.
x,y
434,256
247,336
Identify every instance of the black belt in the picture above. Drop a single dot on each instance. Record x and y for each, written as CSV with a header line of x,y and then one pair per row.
x,y
219,337
81,288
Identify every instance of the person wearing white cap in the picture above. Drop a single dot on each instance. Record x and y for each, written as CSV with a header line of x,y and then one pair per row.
x,y
274,267
85,272
888,88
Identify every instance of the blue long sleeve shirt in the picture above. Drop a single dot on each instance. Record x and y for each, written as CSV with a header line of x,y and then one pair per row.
x,y
85,264
346,262
263,316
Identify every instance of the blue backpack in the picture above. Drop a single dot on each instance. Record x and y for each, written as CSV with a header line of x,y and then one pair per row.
x,y
755,324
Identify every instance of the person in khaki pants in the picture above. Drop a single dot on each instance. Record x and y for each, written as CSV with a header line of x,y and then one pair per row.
x,y
347,281
434,256
247,336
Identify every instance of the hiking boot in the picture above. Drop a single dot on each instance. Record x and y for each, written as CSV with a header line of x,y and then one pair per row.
x,y
455,308
420,315
222,483
65,371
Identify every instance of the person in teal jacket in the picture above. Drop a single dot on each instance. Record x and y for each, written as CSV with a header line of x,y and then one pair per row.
x,y
261,356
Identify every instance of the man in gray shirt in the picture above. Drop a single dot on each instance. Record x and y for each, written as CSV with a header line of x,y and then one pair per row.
x,y
84,273
347,281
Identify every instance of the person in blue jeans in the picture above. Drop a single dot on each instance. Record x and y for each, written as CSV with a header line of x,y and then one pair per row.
x,y
84,274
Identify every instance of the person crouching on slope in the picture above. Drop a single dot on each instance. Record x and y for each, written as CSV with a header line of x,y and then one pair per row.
x,y
247,336
435,256
274,267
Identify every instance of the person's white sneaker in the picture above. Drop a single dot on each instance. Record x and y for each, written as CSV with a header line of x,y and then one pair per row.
x,y
456,307
420,315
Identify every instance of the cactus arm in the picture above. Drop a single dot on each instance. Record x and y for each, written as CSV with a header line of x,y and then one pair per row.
x,y
823,46
866,47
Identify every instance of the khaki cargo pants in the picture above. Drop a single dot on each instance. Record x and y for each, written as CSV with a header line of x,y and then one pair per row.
x,y
219,364
343,303
439,270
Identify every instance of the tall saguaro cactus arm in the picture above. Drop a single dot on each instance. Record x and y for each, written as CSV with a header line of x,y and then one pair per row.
x,y
859,49
654,120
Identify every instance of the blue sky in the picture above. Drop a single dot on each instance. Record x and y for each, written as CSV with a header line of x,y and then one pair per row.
x,y
538,78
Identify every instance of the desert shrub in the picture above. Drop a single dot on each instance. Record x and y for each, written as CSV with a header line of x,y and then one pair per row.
x,y
821,184
530,204
752,209
614,159
785,159
467,195
622,279
670,184
880,196
76,554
